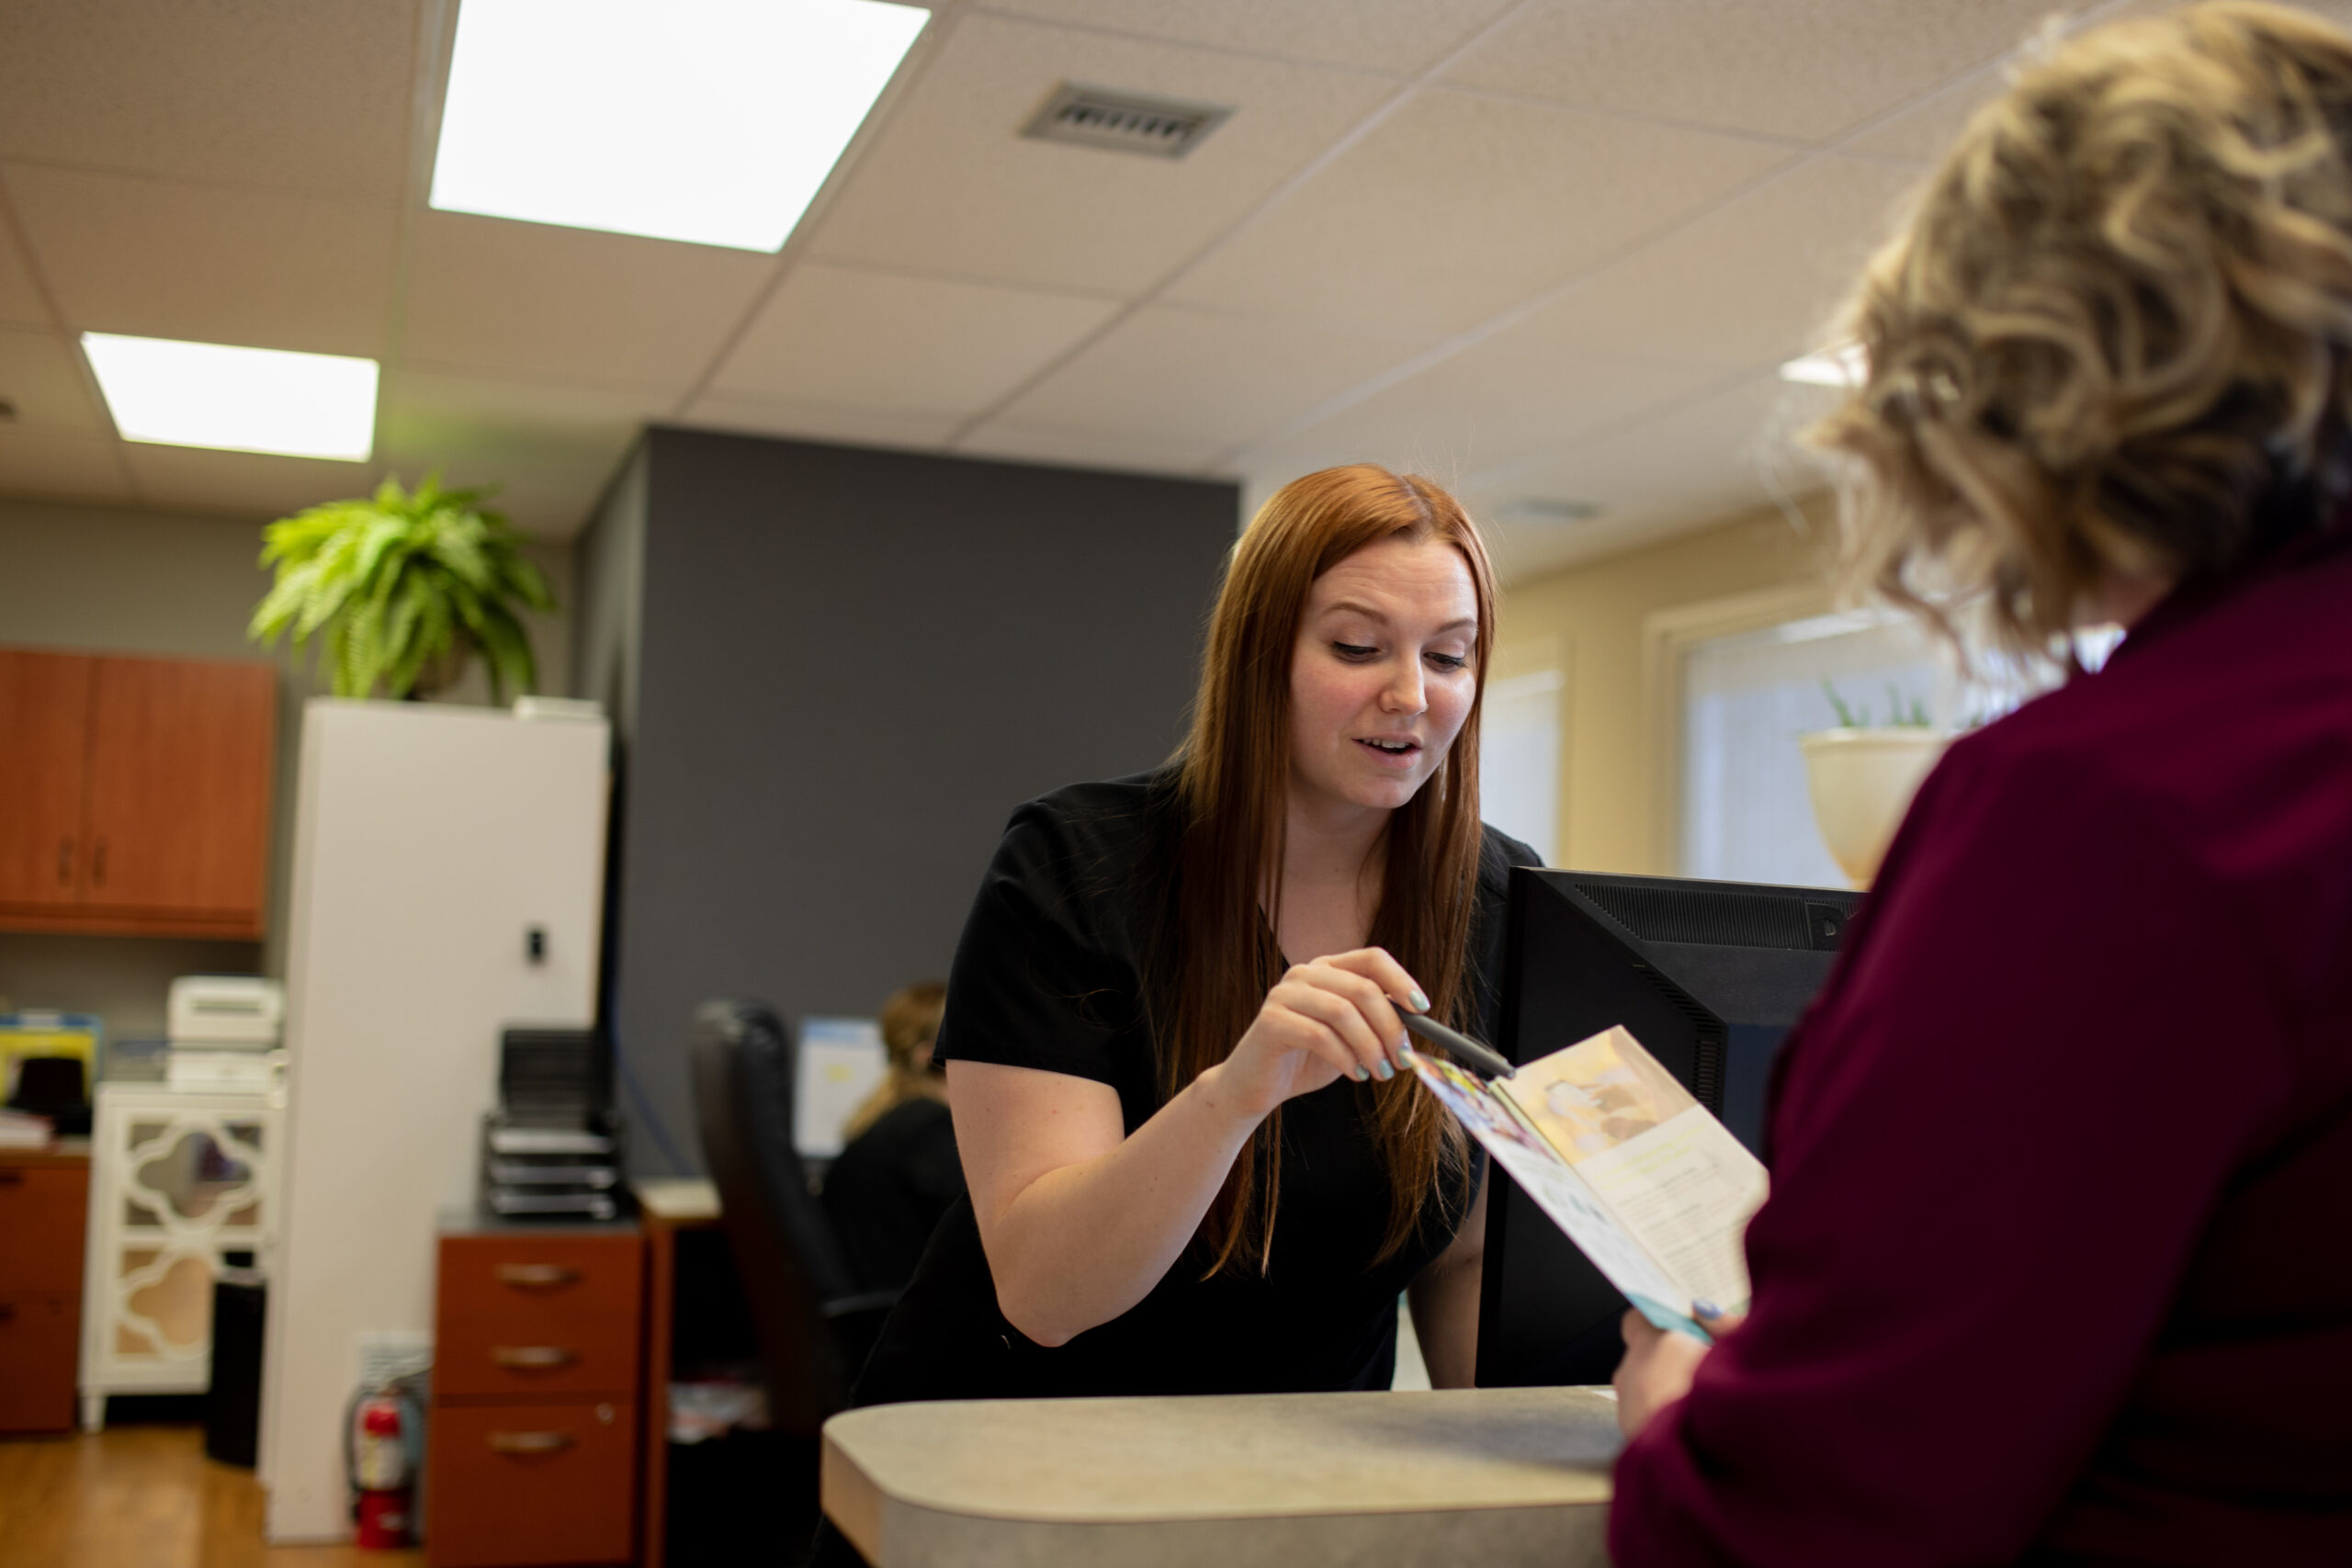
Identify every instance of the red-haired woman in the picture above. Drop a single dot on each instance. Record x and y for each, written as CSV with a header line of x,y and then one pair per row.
x,y
1171,1027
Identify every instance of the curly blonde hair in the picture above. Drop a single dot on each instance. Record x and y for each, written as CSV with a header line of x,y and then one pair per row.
x,y
2111,341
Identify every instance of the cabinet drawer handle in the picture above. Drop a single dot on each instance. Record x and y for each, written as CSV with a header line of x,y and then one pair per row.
x,y
530,1442
532,1356
531,1276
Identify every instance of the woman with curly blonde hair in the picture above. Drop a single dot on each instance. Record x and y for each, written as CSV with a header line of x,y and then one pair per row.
x,y
2055,1266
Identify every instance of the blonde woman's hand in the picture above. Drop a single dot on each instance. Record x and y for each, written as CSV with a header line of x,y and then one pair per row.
x,y
1660,1364
1327,1018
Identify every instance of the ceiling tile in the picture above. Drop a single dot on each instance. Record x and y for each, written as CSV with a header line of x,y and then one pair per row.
x,y
452,421
548,450
62,464
1135,452
1459,206
1926,130
1697,461
297,95
1183,373
1400,36
248,482
210,264
21,300
1485,406
822,421
878,340
529,300
1805,69
1751,283
39,376
949,184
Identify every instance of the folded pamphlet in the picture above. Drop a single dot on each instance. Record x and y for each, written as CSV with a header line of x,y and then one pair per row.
x,y
1649,1185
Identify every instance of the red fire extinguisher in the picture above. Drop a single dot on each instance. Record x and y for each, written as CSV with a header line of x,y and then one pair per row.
x,y
381,1475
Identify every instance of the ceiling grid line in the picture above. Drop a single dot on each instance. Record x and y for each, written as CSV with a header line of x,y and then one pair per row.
x,y
1159,40
12,224
930,45
1379,116
435,40
1227,460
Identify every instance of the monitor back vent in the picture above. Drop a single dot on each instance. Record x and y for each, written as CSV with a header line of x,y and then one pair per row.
x,y
1124,122
1724,916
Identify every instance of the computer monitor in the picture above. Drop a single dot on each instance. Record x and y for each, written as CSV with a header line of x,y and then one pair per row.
x,y
1708,975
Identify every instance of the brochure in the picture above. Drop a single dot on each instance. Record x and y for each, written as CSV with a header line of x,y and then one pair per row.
x,y
1653,1188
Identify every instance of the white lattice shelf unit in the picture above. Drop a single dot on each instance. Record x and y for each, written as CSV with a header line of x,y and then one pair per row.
x,y
178,1180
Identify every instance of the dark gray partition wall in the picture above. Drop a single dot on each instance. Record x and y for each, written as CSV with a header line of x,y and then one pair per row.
x,y
834,671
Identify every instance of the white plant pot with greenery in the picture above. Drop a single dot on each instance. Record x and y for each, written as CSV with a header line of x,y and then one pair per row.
x,y
402,588
1861,777
1861,781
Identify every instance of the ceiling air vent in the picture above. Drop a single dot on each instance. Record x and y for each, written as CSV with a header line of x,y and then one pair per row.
x,y
1124,122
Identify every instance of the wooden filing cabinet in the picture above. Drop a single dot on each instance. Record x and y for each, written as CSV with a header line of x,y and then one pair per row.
x,y
44,1198
532,1450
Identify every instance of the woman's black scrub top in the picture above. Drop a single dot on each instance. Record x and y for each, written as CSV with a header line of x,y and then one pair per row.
x,y
1049,975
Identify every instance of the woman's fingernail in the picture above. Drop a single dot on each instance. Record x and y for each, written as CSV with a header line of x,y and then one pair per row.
x,y
1382,1070
1706,1309
1360,1074
1420,1002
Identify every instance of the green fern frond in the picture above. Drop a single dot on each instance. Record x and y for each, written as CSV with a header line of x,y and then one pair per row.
x,y
390,584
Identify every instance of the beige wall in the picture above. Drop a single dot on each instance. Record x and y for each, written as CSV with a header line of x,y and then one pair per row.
x,y
1595,623
113,579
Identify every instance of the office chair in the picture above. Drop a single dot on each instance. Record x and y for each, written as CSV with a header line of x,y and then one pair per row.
x,y
814,1327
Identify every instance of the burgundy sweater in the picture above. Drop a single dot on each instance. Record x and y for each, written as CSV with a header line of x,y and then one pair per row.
x,y
2057,1266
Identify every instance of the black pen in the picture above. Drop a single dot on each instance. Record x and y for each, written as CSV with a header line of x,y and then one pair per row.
x,y
1483,1060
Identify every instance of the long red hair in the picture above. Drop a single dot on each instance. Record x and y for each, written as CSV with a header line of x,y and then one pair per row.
x,y
1233,772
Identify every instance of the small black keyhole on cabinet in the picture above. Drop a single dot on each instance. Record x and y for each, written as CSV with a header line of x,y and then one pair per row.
x,y
534,943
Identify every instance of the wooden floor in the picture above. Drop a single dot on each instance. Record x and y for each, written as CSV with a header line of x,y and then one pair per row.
x,y
144,1496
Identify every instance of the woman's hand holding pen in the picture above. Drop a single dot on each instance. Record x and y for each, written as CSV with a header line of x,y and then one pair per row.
x,y
1327,1018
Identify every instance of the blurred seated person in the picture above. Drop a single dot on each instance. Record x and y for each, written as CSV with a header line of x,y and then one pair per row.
x,y
899,1172
2055,1269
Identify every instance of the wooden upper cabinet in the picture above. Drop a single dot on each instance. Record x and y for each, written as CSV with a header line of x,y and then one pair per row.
x,y
44,734
153,803
180,758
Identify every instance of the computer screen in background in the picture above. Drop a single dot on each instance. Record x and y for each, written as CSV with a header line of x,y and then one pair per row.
x,y
1708,975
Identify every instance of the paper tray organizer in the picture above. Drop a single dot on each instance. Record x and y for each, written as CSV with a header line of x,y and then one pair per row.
x,y
552,1149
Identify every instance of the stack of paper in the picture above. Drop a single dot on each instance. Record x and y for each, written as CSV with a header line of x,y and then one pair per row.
x,y
20,1131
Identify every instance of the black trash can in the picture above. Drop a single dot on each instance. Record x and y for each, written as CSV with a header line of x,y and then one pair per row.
x,y
232,1411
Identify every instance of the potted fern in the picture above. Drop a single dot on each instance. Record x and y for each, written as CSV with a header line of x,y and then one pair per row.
x,y
1861,777
402,588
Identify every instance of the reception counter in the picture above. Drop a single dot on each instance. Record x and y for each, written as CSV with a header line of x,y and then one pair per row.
x,y
1495,1476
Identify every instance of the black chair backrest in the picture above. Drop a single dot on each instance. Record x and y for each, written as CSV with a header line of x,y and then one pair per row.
x,y
794,1279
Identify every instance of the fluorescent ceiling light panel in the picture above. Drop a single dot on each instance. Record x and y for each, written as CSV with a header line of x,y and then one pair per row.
x,y
713,121
238,400
1844,367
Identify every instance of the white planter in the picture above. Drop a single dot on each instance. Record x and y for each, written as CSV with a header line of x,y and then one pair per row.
x,y
1863,782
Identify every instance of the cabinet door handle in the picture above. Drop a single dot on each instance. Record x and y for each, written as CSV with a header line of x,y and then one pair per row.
x,y
535,1275
65,862
530,1442
7,1312
532,1356
98,864
12,1177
